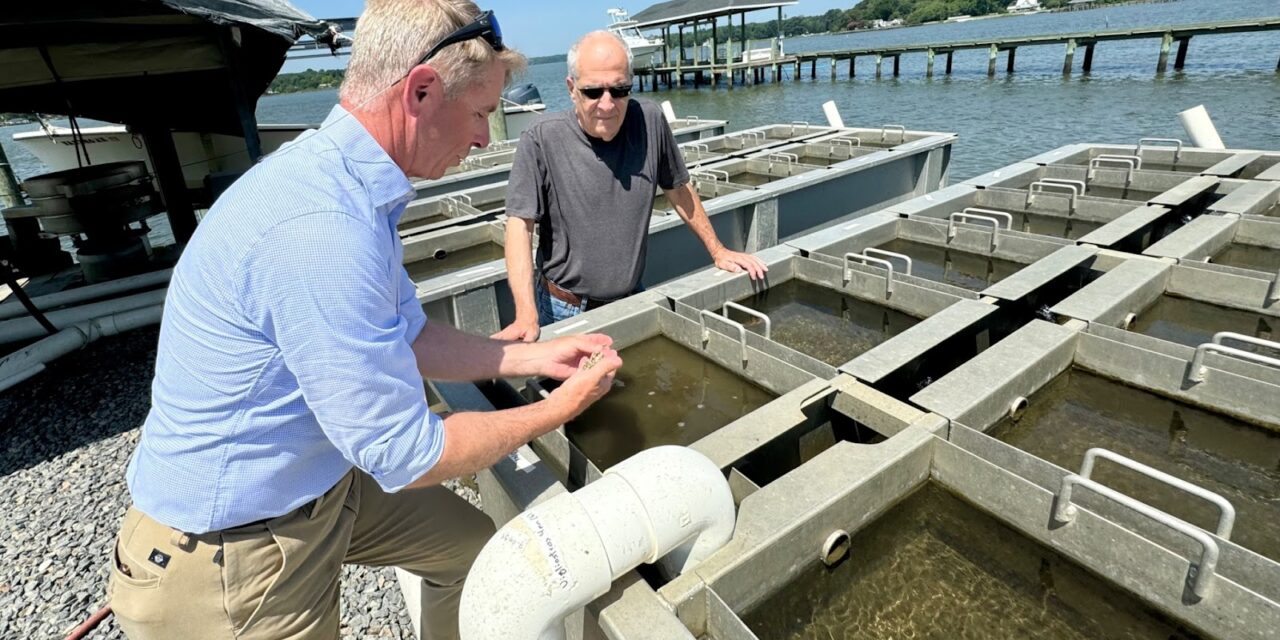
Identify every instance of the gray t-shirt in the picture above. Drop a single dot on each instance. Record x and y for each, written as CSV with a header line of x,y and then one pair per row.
x,y
592,199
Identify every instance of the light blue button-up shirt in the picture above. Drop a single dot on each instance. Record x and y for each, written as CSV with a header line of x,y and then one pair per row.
x,y
285,350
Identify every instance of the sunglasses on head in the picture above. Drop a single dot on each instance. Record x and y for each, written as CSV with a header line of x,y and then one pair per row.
x,y
484,26
594,93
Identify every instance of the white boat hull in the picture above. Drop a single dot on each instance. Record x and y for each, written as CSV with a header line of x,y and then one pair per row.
x,y
201,154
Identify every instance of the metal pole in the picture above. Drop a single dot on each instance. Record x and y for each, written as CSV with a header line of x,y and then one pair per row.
x,y
666,45
10,193
168,170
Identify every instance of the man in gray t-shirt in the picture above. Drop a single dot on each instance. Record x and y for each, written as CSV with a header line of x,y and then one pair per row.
x,y
586,179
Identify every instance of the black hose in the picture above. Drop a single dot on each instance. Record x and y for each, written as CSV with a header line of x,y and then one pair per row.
x,y
22,296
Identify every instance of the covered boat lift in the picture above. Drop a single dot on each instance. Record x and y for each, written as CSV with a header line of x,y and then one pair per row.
x,y
693,14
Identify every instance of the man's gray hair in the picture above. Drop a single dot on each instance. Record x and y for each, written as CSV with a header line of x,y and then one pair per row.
x,y
573,51
392,35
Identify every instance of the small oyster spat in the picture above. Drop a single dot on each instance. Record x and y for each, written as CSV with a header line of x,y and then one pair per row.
x,y
593,360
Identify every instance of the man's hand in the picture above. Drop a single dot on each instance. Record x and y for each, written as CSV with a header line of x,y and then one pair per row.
x,y
560,358
589,380
525,330
736,262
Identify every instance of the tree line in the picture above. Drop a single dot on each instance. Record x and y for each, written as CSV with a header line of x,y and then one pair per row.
x,y
307,80
864,14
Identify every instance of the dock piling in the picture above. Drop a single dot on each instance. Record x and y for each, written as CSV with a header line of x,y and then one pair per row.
x,y
1181,60
734,70
1165,42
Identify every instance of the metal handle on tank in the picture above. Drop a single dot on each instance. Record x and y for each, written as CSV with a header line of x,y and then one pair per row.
x,y
768,324
713,174
902,132
1003,215
960,216
790,159
1199,576
703,314
1226,512
1198,370
888,279
872,251
1074,186
1177,153
1133,163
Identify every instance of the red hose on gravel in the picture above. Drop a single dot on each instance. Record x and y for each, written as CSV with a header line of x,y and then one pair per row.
x,y
89,625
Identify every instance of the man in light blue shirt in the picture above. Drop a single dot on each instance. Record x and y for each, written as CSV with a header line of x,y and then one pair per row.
x,y
289,430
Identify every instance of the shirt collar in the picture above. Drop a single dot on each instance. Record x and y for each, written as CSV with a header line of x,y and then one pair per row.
x,y
388,187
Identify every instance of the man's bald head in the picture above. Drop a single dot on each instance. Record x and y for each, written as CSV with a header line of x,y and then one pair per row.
x,y
599,48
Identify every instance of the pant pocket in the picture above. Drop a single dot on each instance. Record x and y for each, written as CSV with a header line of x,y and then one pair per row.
x,y
252,565
135,595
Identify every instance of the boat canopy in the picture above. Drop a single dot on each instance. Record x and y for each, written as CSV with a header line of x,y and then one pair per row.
x,y
195,65
676,12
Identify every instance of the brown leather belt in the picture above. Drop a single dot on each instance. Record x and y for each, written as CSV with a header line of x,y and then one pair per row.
x,y
566,296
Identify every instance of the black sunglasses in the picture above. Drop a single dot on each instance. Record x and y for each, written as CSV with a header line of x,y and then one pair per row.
x,y
484,26
594,93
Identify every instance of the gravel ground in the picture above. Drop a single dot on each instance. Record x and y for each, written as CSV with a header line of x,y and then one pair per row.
x,y
66,436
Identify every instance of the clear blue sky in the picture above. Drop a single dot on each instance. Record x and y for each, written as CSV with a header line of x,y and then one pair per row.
x,y
545,27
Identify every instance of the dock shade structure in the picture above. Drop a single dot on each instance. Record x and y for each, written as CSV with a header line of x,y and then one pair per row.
x,y
702,19
157,66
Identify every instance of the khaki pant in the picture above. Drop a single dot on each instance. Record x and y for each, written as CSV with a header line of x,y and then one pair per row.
x,y
279,579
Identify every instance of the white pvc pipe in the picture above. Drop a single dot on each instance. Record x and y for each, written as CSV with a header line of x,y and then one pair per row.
x,y
26,362
833,114
669,504
668,112
1198,125
27,328
12,308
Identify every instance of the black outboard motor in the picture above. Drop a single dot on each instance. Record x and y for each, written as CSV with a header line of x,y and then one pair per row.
x,y
523,94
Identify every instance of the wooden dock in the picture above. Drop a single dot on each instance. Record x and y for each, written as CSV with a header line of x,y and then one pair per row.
x,y
759,70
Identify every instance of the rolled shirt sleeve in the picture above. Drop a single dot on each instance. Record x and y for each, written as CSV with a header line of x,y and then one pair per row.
x,y
672,172
344,330
526,188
